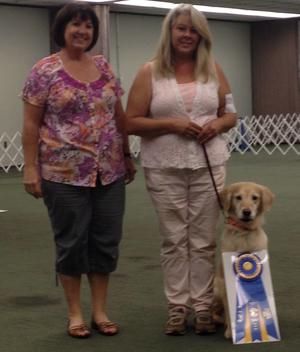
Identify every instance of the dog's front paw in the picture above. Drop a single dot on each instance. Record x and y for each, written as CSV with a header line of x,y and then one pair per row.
x,y
227,333
218,319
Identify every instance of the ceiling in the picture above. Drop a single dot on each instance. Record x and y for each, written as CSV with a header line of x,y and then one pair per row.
x,y
289,6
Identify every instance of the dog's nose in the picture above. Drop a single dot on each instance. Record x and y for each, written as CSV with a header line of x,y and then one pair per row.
x,y
246,213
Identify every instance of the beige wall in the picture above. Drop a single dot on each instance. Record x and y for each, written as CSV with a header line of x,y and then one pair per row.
x,y
24,38
233,52
138,36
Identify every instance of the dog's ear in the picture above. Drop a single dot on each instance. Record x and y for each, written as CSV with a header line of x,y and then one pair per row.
x,y
267,198
225,196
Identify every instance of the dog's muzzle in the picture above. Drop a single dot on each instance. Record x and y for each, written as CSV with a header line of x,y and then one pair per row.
x,y
246,215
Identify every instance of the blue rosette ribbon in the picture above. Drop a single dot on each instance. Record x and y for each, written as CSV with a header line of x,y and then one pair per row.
x,y
254,319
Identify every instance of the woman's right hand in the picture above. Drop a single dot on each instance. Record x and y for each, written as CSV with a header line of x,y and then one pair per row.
x,y
32,181
186,128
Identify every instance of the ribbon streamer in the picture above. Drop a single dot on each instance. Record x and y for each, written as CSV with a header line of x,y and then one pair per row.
x,y
254,320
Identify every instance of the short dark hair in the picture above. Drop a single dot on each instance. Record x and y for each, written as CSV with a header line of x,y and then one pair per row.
x,y
66,14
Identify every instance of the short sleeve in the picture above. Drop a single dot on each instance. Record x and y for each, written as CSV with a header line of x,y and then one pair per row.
x,y
118,88
102,63
36,86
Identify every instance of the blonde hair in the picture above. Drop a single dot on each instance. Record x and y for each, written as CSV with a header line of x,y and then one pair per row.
x,y
204,61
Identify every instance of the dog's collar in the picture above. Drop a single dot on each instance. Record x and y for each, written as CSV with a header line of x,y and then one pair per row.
x,y
237,224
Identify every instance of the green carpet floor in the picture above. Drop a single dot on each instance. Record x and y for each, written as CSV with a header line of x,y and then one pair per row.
x,y
32,309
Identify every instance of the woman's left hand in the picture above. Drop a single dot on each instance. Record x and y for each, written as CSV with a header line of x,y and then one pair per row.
x,y
209,131
130,170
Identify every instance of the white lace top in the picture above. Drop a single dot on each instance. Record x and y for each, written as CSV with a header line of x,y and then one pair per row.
x,y
172,150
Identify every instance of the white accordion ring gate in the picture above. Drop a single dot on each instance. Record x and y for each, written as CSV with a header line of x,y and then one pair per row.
x,y
254,134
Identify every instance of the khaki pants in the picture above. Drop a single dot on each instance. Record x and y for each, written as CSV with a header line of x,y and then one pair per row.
x,y
188,212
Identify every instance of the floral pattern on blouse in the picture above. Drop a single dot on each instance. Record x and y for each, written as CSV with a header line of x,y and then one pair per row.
x,y
79,140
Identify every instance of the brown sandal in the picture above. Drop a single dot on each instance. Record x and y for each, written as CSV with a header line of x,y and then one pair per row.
x,y
107,328
80,331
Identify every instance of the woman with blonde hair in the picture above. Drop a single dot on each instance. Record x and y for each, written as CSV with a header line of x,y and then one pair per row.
x,y
178,102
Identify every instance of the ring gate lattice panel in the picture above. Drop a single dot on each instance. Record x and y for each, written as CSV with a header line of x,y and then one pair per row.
x,y
254,134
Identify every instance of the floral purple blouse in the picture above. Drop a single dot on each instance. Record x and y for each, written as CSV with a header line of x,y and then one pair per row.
x,y
79,139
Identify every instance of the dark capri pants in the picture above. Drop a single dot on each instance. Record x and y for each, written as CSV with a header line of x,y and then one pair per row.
x,y
87,225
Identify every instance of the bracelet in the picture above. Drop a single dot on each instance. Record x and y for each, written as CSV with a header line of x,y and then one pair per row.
x,y
127,155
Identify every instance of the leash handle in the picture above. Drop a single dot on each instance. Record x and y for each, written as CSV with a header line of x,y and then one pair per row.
x,y
212,177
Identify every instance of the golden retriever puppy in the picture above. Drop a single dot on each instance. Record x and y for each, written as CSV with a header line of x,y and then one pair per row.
x,y
245,204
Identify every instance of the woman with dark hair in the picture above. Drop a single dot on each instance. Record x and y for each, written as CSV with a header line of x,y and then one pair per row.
x,y
77,158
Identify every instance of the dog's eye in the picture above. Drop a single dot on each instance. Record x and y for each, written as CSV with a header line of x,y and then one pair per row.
x,y
254,197
238,197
